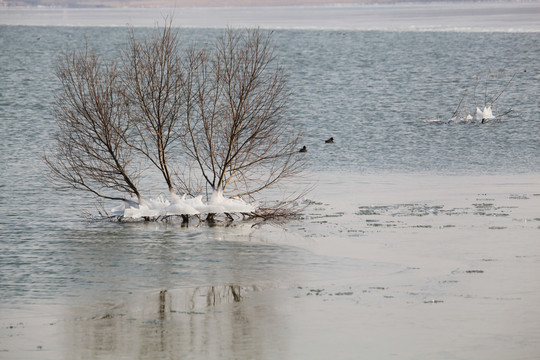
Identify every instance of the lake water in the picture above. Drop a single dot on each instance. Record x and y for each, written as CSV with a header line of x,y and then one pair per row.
x,y
421,240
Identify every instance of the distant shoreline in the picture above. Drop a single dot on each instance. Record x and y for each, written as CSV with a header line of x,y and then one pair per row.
x,y
411,16
173,4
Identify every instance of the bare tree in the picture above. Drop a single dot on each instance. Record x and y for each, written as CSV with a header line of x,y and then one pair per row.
x,y
489,98
91,150
153,84
484,112
237,130
218,114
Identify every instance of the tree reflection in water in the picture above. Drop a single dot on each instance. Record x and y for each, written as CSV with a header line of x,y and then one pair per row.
x,y
208,322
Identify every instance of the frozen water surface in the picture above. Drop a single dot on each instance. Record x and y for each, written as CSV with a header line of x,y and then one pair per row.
x,y
414,266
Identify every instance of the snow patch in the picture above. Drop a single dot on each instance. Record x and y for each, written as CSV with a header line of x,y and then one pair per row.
x,y
481,116
218,201
485,114
161,206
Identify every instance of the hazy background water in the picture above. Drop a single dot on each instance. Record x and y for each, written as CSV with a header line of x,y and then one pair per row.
x,y
371,90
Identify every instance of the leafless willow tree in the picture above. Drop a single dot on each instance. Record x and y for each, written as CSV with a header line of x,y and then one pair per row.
x,y
237,129
92,153
216,113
